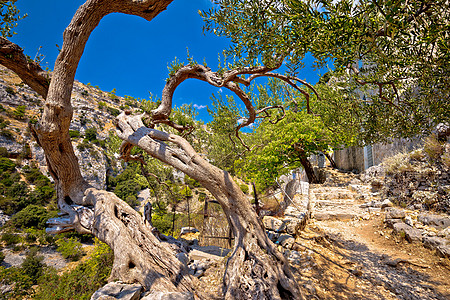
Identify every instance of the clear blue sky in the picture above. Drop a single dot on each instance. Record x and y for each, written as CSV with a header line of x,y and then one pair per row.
x,y
127,52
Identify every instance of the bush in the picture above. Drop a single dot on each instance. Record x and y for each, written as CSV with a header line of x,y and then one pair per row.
x,y
7,134
191,182
163,222
33,266
90,134
31,216
433,147
81,282
244,188
19,112
2,257
11,239
3,152
201,196
186,191
6,165
132,201
74,133
22,279
113,111
70,248
10,90
26,152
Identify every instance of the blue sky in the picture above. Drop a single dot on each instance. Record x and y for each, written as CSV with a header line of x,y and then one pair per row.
x,y
127,52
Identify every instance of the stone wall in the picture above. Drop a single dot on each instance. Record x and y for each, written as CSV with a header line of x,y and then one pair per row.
x,y
381,151
349,159
354,158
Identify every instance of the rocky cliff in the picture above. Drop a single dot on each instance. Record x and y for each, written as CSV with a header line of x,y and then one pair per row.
x,y
94,112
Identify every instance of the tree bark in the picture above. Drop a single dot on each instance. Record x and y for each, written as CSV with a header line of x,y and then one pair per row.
x,y
331,160
256,269
306,164
139,256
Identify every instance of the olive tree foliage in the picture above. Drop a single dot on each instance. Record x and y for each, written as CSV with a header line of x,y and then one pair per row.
x,y
390,58
9,16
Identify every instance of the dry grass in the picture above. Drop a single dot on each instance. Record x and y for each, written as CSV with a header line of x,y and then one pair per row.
x,y
432,147
398,163
418,155
446,159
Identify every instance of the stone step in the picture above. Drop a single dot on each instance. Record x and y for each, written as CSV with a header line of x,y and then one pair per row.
x,y
335,215
335,196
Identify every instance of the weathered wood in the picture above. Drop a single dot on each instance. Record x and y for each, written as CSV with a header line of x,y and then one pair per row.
x,y
256,269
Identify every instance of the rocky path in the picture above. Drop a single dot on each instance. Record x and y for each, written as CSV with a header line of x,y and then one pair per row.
x,y
347,251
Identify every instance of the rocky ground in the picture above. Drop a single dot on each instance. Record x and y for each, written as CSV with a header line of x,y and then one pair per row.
x,y
349,251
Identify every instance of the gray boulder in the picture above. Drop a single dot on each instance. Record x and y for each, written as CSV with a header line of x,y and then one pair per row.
x,y
411,234
168,296
436,221
274,224
441,245
395,213
118,290
286,241
390,222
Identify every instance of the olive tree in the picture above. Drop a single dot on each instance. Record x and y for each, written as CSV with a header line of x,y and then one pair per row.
x,y
256,269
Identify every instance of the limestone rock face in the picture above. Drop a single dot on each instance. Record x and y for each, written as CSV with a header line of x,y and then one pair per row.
x,y
3,218
92,109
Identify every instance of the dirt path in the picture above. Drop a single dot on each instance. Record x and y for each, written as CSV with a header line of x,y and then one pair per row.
x,y
359,258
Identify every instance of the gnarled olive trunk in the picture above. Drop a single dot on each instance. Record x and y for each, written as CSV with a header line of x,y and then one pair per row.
x,y
312,178
255,269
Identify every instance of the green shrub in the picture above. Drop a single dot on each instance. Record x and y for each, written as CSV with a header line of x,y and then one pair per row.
x,y
244,188
19,112
22,278
10,90
201,196
163,222
7,134
132,201
70,248
433,147
81,282
186,191
31,216
84,145
6,165
74,133
113,111
26,152
3,152
11,239
90,134
2,257
33,266
192,183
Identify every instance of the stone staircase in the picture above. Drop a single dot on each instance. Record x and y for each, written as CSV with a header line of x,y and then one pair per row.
x,y
335,203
